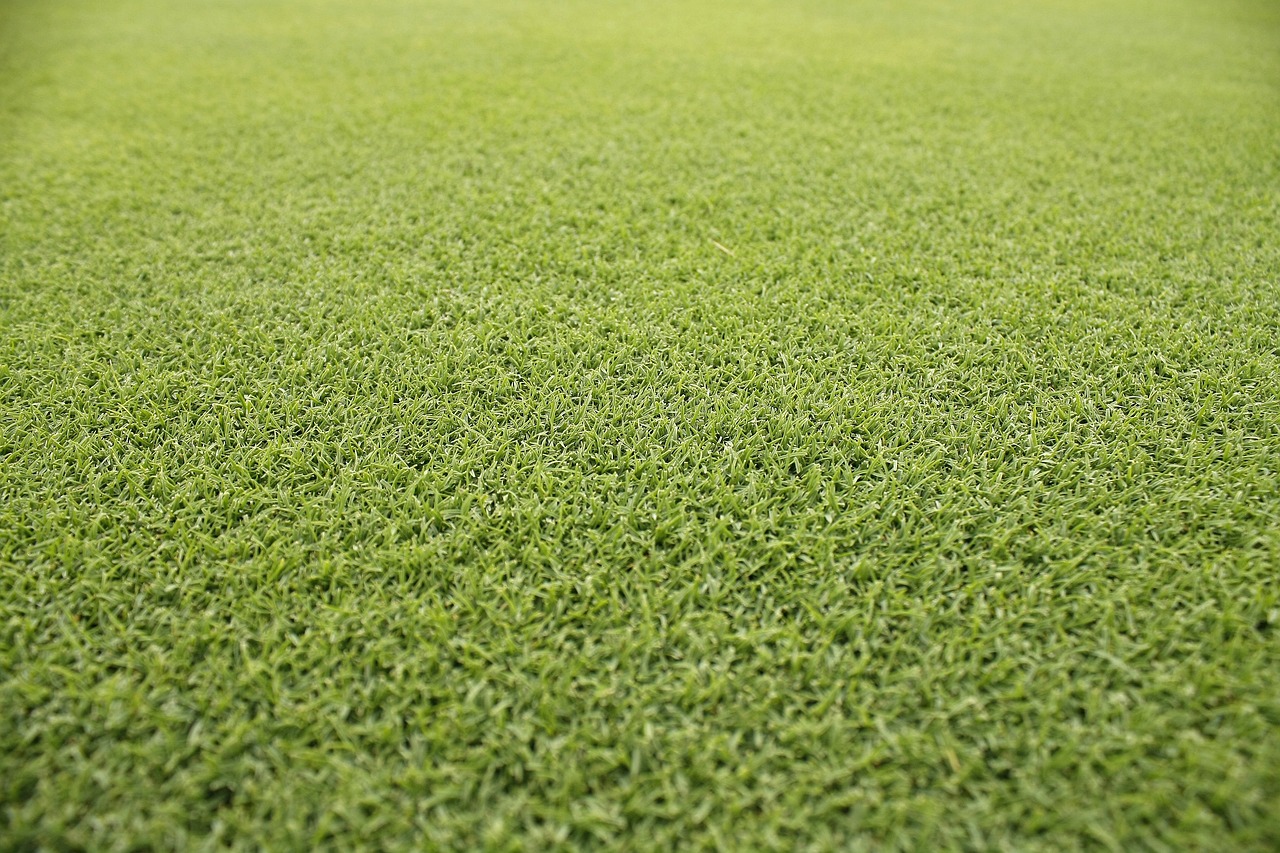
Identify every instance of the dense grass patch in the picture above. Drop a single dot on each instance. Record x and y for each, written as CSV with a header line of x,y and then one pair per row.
x,y
759,425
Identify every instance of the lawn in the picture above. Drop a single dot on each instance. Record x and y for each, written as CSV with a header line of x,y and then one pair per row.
x,y
538,424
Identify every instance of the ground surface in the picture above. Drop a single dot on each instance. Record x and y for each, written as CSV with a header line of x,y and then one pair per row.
x,y
767,425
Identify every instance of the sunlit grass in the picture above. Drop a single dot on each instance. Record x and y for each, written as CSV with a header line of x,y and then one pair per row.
x,y
667,425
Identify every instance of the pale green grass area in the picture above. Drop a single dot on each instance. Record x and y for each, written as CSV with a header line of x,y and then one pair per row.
x,y
521,425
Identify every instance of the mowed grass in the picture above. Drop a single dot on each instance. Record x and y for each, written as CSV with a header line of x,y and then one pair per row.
x,y
754,425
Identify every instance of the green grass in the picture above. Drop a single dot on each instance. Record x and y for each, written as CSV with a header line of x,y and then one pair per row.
x,y
754,425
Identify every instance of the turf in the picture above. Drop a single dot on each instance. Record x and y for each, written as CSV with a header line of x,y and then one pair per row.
x,y
755,425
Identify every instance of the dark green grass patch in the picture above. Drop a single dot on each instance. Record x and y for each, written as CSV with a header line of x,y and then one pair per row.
x,y
746,425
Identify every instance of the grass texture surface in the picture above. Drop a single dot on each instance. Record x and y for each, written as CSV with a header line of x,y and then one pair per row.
x,y
650,425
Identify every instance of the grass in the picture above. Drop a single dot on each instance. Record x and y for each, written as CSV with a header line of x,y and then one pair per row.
x,y
758,425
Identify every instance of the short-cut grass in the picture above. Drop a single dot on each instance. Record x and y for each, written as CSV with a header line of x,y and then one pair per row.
x,y
493,424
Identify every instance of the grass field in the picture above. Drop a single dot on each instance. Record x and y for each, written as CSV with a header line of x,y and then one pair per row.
x,y
654,425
